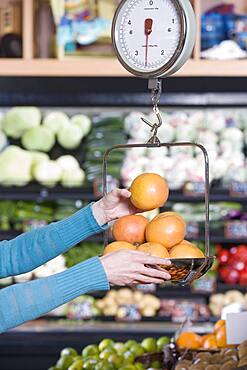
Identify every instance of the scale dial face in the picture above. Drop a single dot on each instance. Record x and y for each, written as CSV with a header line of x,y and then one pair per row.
x,y
148,35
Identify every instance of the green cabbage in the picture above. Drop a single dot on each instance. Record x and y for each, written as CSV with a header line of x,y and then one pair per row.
x,y
73,178
15,166
38,157
47,173
56,121
38,138
68,162
19,119
82,121
70,137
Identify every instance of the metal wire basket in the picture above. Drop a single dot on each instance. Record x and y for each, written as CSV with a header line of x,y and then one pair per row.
x,y
183,271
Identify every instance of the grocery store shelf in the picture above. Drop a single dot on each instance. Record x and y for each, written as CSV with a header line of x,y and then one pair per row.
x,y
110,67
110,328
34,191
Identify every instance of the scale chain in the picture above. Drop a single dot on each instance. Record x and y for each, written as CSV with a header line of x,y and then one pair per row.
x,y
155,86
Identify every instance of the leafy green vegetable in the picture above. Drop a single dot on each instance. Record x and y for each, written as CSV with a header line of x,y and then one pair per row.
x,y
15,166
47,173
68,163
38,138
82,252
19,119
83,122
73,178
70,137
55,121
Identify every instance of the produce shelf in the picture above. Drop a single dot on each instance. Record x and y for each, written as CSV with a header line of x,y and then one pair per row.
x,y
37,345
35,191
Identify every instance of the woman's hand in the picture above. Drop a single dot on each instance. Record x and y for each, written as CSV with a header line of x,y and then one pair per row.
x,y
114,205
127,267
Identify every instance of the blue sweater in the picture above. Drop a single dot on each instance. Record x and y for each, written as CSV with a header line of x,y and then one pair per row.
x,y
22,302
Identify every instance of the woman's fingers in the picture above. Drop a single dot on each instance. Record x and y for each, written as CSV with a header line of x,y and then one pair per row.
x,y
158,273
143,279
147,259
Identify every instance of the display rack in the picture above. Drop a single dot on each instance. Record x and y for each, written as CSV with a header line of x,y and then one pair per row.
x,y
109,66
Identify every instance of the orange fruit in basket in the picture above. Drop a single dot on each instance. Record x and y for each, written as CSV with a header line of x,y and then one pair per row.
x,y
155,249
186,249
189,340
116,246
167,228
220,336
130,229
209,341
149,191
218,325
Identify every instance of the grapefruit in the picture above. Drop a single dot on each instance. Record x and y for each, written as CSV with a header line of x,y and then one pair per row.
x,y
186,249
130,229
116,246
149,191
155,249
167,228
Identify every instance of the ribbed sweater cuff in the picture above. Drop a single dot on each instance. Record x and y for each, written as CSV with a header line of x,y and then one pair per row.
x,y
83,278
78,227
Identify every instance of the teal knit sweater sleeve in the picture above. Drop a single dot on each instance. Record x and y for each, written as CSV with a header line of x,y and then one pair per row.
x,y
26,301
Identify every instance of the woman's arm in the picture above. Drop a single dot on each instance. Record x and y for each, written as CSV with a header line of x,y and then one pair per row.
x,y
27,301
32,249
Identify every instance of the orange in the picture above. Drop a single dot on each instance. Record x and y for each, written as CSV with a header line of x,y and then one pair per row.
x,y
154,249
168,228
189,340
130,229
218,324
221,337
149,191
209,341
116,246
186,249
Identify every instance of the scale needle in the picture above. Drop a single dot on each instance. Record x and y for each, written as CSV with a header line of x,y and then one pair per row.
x,y
148,29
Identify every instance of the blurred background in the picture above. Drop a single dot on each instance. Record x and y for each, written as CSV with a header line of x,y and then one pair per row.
x,y
64,99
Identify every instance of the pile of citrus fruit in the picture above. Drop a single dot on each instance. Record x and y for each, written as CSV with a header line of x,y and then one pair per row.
x,y
216,340
164,235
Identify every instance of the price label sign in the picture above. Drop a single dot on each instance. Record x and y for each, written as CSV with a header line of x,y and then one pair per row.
x,y
194,189
207,284
236,229
146,288
236,324
128,313
238,189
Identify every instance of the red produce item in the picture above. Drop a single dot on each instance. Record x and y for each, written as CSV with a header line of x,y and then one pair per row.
x,y
236,263
243,277
232,277
242,253
223,256
224,272
233,250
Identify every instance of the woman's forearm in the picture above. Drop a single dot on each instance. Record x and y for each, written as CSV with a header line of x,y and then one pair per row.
x,y
30,250
27,301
